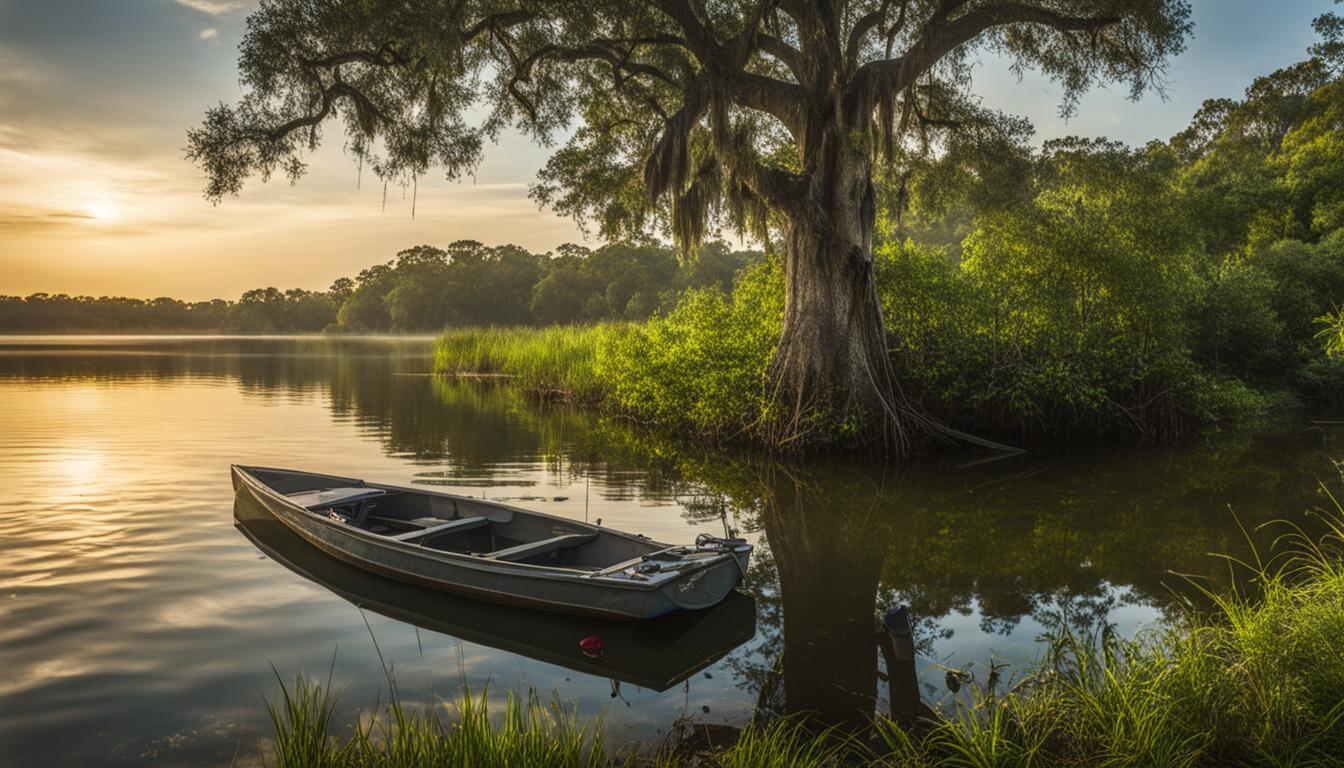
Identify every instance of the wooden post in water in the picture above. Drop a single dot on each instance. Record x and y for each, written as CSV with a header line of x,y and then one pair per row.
x,y
897,641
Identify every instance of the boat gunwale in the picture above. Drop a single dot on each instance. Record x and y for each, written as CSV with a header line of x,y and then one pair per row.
x,y
473,563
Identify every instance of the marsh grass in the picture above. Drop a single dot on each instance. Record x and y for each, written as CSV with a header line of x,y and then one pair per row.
x,y
557,361
527,733
302,719
1254,678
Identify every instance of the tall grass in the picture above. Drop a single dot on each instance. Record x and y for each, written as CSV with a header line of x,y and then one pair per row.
x,y
302,722
527,733
552,361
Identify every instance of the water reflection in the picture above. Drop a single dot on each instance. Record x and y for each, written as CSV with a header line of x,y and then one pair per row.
x,y
122,448
654,654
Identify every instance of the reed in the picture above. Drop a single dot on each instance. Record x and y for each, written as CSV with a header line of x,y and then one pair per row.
x,y
526,733
555,361
302,723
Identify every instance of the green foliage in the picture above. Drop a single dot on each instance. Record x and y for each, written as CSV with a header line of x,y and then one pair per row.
x,y
1234,325
1332,332
424,289
1267,167
1096,289
703,366
791,742
267,310
471,285
1311,162
262,310
556,360
1069,311
1307,281
528,733
302,721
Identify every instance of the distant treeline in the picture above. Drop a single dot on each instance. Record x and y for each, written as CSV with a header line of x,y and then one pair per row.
x,y
422,289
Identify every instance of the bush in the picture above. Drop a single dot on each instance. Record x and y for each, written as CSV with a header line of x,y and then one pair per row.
x,y
703,366
1017,337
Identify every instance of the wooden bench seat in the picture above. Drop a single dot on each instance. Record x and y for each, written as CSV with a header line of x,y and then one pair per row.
x,y
545,546
450,526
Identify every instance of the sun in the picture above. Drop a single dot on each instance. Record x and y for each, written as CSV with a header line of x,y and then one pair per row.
x,y
101,210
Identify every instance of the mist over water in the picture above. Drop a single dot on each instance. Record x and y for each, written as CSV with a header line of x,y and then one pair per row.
x,y
138,623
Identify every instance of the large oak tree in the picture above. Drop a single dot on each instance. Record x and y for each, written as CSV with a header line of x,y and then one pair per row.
x,y
686,115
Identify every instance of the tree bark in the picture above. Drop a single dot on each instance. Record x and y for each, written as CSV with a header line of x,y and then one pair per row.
x,y
831,380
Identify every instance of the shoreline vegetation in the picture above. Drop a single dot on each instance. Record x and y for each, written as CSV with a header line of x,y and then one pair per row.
x,y
1026,372
1079,291
1256,679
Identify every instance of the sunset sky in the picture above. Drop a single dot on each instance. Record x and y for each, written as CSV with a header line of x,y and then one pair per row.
x,y
95,198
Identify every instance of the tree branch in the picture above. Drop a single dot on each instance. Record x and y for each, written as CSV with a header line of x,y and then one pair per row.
x,y
495,21
364,109
861,29
385,56
781,100
936,41
698,37
788,55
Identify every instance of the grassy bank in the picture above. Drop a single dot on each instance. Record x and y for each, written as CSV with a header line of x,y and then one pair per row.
x,y
1257,680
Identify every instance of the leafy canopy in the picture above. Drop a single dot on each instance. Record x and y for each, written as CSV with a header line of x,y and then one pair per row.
x,y
688,113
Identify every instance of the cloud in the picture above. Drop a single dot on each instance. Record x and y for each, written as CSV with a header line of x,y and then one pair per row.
x,y
209,33
63,224
215,7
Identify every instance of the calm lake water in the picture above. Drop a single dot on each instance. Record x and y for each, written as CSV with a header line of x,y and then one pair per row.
x,y
141,613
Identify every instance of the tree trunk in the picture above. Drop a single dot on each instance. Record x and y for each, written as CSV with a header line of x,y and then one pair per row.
x,y
831,379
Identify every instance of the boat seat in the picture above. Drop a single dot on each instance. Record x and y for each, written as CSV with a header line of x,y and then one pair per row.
x,y
349,505
450,526
545,546
334,497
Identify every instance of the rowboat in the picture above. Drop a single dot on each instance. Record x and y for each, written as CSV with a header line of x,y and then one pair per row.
x,y
656,654
495,551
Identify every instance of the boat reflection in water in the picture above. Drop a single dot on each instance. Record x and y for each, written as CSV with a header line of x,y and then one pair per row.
x,y
655,654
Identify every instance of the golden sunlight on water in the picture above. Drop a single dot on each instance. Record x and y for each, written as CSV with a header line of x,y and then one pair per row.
x,y
130,604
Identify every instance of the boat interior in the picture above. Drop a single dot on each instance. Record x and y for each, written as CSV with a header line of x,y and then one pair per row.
x,y
462,525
